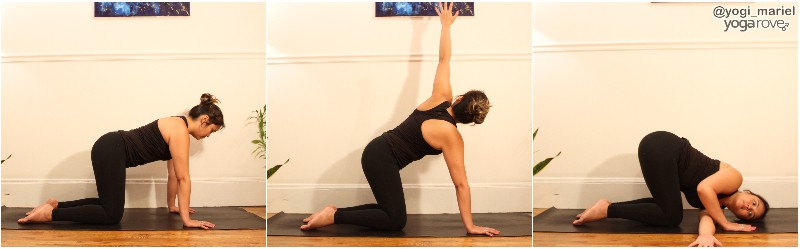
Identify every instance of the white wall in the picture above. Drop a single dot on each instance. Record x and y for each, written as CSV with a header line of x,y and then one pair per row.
x,y
338,77
68,78
605,75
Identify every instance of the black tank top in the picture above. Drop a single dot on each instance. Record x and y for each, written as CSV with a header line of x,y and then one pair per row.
x,y
694,167
406,139
145,144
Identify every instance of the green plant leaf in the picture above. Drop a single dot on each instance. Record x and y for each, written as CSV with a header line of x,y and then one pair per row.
x,y
4,160
271,171
540,166
534,134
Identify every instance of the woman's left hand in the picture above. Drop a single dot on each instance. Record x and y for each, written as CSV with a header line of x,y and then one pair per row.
x,y
730,226
178,210
483,230
446,13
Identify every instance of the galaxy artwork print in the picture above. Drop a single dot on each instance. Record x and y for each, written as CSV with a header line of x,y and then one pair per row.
x,y
387,9
131,9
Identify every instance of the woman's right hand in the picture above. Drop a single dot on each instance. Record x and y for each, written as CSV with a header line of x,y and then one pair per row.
x,y
445,12
730,226
488,231
199,223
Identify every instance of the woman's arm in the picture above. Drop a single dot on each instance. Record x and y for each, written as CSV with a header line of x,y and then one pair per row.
x,y
179,149
706,231
724,181
452,146
441,82
172,189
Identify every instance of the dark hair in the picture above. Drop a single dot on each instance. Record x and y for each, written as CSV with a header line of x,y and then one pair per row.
x,y
208,106
473,107
764,201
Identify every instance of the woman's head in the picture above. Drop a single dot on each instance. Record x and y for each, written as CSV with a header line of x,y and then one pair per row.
x,y
748,206
471,107
209,116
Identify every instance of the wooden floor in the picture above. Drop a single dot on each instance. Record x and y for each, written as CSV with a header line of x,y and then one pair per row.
x,y
139,238
544,239
282,241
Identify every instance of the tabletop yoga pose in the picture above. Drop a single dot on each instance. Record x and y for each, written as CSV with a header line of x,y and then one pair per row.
x,y
162,139
670,165
429,130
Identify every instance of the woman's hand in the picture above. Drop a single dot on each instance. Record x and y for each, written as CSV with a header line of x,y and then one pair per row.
x,y
706,241
483,230
178,210
730,226
445,13
199,223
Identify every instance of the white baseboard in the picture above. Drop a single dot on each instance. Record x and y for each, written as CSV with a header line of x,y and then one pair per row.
x,y
139,193
582,192
420,198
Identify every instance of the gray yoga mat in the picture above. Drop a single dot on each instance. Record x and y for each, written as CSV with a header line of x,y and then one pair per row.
x,y
145,219
417,225
778,220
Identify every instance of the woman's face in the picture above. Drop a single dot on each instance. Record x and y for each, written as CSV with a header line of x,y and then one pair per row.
x,y
747,206
205,130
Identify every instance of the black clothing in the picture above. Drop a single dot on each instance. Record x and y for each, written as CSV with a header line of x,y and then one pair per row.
x,y
112,153
382,160
406,139
383,174
670,165
108,163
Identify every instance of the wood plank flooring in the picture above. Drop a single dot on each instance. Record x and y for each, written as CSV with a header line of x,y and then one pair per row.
x,y
592,239
139,238
405,242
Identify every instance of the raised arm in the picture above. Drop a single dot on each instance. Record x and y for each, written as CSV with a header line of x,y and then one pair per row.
x,y
724,181
179,149
441,83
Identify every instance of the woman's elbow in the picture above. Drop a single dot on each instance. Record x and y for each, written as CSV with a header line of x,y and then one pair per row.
x,y
461,186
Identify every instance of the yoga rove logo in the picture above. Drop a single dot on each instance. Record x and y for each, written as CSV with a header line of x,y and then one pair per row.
x,y
744,19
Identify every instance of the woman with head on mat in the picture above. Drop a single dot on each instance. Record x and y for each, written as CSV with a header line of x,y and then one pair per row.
x,y
429,130
162,139
670,165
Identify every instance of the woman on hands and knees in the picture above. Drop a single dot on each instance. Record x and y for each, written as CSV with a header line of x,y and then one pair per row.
x,y
429,130
163,139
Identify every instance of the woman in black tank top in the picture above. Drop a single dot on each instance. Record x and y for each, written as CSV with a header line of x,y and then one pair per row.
x,y
429,130
670,165
163,139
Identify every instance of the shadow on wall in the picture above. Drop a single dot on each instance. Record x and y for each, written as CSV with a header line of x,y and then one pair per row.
x,y
622,165
350,164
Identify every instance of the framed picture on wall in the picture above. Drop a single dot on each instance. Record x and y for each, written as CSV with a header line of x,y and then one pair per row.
x,y
387,9
131,9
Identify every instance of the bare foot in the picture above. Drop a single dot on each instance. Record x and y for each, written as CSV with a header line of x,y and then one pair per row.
x,y
52,201
41,214
597,212
310,217
323,218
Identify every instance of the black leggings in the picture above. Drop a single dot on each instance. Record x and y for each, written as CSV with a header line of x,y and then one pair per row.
x,y
659,154
108,163
383,174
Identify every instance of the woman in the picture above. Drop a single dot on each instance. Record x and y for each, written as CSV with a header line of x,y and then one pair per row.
x,y
670,165
429,130
162,139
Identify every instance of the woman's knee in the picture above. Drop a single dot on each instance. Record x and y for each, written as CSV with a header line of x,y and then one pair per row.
x,y
397,222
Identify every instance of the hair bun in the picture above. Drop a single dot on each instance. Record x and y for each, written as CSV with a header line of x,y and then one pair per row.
x,y
208,99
